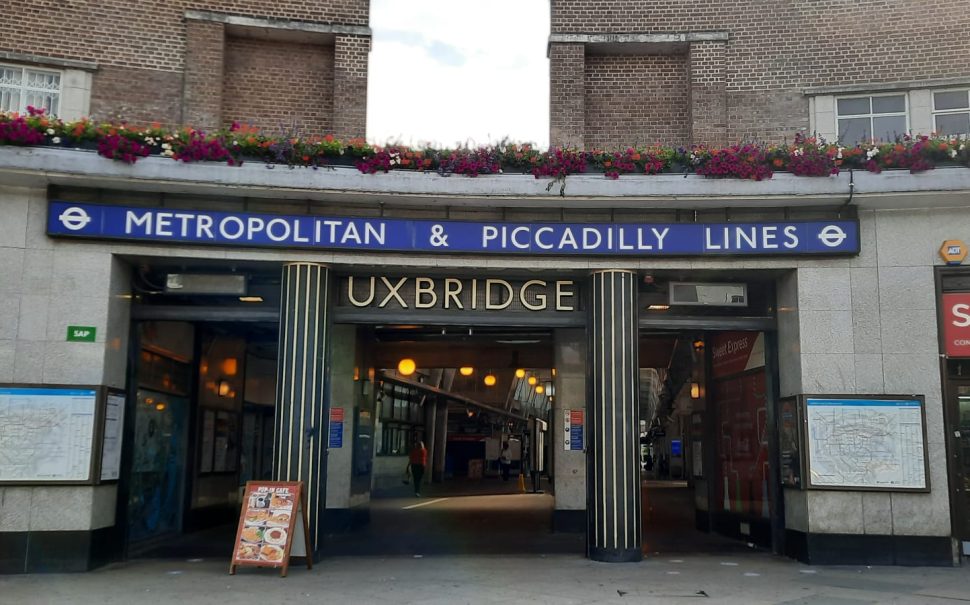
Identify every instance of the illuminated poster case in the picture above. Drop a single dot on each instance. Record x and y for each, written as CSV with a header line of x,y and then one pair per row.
x,y
61,435
854,442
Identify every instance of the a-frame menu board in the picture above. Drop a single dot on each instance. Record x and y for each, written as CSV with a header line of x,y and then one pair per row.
x,y
268,527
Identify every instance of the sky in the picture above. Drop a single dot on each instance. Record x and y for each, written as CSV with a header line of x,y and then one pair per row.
x,y
458,71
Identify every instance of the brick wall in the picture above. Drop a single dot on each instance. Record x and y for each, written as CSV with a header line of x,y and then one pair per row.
x,y
145,34
274,85
147,51
204,72
635,100
777,48
350,86
567,98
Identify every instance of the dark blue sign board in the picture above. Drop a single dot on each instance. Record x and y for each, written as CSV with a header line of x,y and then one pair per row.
x,y
835,237
576,437
676,448
336,434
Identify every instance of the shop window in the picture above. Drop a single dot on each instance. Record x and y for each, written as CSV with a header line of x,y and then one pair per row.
x,y
871,118
951,112
22,87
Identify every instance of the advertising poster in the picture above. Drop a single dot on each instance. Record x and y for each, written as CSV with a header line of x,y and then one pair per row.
x,y
114,421
268,526
739,395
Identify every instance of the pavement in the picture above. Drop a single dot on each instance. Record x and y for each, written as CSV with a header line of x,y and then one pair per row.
x,y
478,543
745,578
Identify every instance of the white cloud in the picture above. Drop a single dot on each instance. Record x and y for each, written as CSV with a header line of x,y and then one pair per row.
x,y
459,71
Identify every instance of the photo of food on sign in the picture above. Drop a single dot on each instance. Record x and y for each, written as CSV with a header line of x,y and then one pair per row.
x,y
266,525
248,552
282,500
271,553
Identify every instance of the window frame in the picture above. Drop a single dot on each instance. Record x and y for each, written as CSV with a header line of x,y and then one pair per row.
x,y
25,89
907,109
935,112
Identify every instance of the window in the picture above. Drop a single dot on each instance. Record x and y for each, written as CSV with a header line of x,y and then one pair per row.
x,y
871,118
951,112
22,87
401,422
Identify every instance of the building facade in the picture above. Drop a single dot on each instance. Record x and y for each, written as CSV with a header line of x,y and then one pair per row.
x,y
728,72
837,288
293,66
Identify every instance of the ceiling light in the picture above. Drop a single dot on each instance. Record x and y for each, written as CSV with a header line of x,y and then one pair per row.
x,y
658,307
540,389
695,390
466,370
251,299
406,366
532,381
490,380
520,373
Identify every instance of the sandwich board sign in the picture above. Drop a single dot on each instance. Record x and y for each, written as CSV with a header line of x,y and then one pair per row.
x,y
269,532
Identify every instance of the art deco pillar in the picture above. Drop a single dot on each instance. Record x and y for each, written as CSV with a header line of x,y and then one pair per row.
x,y
301,423
613,468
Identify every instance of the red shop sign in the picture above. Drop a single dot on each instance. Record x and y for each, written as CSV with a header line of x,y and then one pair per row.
x,y
956,324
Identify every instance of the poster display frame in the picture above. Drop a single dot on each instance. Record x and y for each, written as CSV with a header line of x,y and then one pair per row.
x,y
97,433
805,454
111,392
791,471
299,504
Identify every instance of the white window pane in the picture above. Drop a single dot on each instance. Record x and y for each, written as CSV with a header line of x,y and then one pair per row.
x,y
41,100
888,128
853,107
893,104
954,99
11,76
854,130
953,123
9,99
43,79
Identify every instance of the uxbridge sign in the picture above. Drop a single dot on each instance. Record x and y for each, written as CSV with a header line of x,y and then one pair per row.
x,y
457,294
836,237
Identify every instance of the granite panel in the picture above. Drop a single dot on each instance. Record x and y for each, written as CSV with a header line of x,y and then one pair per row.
x,y
826,331
13,218
828,373
835,512
824,289
868,374
907,288
33,317
909,331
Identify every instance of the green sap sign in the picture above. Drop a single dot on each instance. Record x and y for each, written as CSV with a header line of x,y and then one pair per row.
x,y
81,333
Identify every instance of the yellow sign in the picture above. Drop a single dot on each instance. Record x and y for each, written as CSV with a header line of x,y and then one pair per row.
x,y
953,251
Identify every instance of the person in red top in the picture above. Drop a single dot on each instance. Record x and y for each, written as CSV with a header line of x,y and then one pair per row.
x,y
417,460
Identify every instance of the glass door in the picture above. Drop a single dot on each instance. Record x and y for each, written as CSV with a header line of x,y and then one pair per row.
x,y
960,470
156,492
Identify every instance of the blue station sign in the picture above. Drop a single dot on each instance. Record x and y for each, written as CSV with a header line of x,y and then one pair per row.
x,y
835,237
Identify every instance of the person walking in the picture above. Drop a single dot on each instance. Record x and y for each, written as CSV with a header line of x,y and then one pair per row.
x,y
505,460
417,460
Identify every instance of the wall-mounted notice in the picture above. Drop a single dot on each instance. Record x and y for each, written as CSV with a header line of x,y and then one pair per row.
x,y
272,526
574,437
336,428
866,442
114,424
46,434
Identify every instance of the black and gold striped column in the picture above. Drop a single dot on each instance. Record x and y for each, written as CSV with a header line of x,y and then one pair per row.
x,y
301,424
613,468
